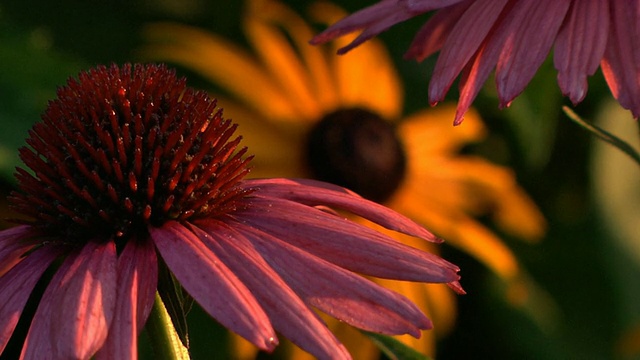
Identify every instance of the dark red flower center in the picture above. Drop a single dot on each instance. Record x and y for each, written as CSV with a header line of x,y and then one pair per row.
x,y
120,149
357,149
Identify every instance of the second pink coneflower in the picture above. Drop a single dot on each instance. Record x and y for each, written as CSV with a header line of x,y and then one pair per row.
x,y
514,37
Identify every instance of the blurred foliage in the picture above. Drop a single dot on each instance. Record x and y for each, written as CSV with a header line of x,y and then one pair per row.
x,y
589,308
31,71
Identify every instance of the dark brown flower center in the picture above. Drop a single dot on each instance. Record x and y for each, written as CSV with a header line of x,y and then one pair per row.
x,y
122,149
357,149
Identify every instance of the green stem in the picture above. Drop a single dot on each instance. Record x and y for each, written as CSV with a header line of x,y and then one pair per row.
x,y
164,338
604,135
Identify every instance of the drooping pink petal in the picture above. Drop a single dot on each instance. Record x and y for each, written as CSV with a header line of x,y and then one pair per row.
x,y
336,291
287,312
345,243
621,61
313,193
463,42
580,45
433,34
76,309
212,284
478,69
525,49
356,21
137,282
473,77
13,244
16,286
422,6
376,19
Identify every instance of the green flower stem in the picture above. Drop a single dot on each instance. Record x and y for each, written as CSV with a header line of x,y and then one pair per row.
x,y
393,348
164,338
604,135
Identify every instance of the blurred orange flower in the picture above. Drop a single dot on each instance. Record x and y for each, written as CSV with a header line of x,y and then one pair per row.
x,y
281,92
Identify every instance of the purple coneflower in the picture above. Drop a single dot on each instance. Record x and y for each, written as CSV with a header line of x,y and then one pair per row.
x,y
128,164
515,37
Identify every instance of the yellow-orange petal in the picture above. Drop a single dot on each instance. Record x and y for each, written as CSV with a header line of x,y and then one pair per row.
x,y
284,66
221,61
314,58
461,231
241,348
367,77
493,189
429,133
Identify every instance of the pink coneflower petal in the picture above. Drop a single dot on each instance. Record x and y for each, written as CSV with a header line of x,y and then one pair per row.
x,y
463,42
580,45
16,286
76,309
503,47
312,192
524,50
345,243
433,34
288,313
376,19
336,291
473,77
13,245
366,17
621,61
137,271
213,285
579,29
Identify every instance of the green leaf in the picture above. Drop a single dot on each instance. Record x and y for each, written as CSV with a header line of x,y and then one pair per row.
x,y
176,302
164,338
394,349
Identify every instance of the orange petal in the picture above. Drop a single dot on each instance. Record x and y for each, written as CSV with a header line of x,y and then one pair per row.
x,y
429,133
367,77
284,66
461,231
314,58
222,62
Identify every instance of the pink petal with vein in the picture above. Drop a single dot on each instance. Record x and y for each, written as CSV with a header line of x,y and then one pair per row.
x,y
433,34
580,45
137,271
339,293
356,21
13,245
479,68
16,286
288,313
212,284
76,309
345,243
376,19
621,61
532,27
473,77
465,39
314,193
393,17
422,6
